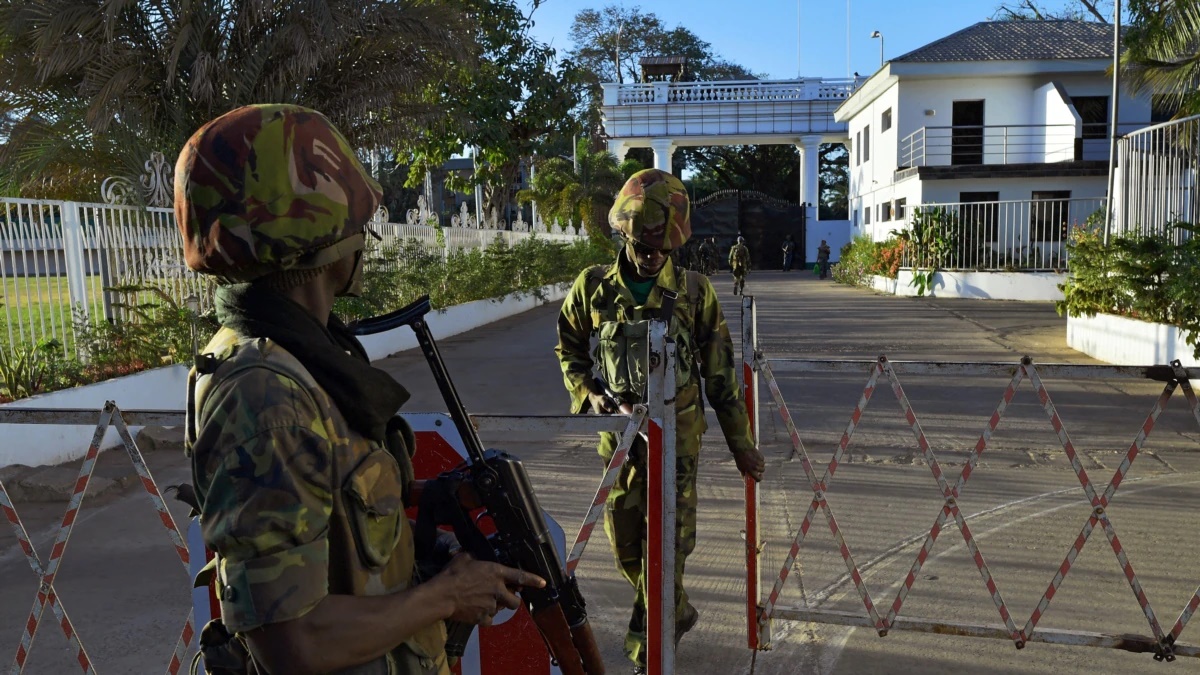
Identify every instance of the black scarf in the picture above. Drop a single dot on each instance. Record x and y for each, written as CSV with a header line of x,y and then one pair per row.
x,y
366,396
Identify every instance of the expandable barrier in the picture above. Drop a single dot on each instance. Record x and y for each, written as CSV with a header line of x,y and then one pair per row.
x,y
658,417
1163,644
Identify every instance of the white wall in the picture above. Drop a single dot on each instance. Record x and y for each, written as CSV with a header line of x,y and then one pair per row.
x,y
836,233
1128,342
1058,144
1026,286
948,191
38,444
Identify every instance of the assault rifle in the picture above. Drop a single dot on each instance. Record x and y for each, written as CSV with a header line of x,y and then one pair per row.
x,y
497,482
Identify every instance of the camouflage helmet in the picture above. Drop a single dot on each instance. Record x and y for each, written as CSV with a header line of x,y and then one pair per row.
x,y
269,188
653,209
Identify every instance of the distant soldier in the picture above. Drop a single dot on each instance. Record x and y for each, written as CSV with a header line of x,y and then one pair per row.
x,y
302,471
823,258
739,262
713,257
614,304
789,253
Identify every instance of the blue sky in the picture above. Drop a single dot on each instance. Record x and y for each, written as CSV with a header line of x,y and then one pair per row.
x,y
762,34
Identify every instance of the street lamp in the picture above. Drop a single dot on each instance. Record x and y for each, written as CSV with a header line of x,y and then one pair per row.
x,y
879,35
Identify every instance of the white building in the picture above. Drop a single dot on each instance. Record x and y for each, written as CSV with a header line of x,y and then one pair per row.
x,y
1006,123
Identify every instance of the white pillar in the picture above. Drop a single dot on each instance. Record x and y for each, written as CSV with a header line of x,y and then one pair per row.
x,y
663,147
618,148
810,166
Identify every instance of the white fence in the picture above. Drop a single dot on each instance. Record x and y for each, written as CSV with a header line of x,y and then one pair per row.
x,y
60,261
1015,236
1156,181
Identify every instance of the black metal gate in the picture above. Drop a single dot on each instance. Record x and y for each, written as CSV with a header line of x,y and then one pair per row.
x,y
763,220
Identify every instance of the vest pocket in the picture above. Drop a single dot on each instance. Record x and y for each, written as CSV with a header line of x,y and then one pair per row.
x,y
376,507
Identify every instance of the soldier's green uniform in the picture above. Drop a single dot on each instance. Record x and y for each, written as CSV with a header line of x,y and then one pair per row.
x,y
301,494
604,304
739,263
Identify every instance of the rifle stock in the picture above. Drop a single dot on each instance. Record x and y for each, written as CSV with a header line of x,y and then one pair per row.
x,y
497,481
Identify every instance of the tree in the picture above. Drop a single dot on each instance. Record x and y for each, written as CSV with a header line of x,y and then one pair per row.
x,y
770,169
101,85
835,182
514,100
1037,10
1162,56
586,195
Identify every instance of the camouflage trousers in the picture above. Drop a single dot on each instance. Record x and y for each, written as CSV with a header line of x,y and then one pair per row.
x,y
739,281
625,525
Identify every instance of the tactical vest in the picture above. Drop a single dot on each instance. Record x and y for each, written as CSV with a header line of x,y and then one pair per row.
x,y
623,336
371,547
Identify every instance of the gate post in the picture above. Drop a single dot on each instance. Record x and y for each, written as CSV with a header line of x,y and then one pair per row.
x,y
758,630
75,260
659,574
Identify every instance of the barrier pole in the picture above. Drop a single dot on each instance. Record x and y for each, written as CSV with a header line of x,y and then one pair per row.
x,y
757,627
659,573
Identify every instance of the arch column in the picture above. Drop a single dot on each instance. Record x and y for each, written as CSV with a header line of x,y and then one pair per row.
x,y
810,172
619,148
663,147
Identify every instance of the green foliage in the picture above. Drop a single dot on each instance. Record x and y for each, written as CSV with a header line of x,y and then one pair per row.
x,y
932,234
582,197
1162,56
864,258
1141,277
509,104
101,85
466,275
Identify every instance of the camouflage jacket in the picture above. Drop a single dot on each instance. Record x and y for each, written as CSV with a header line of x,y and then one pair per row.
x,y
739,258
296,504
599,300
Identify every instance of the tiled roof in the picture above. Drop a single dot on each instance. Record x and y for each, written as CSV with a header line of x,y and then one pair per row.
x,y
1019,41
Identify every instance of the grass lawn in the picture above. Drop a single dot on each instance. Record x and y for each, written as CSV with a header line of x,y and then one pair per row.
x,y
38,308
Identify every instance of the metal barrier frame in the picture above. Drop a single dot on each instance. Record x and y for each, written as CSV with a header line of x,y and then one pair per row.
x,y
658,416
1162,644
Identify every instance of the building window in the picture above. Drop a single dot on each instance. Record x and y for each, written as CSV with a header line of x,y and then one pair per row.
x,y
979,213
887,211
858,149
1163,108
885,121
866,146
866,215
1048,215
1093,110
901,204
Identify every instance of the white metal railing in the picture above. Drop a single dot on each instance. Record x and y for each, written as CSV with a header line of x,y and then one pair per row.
x,y
60,260
1016,236
967,145
1156,182
736,91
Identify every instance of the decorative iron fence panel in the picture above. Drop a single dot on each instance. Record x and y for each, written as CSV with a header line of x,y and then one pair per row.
x,y
68,262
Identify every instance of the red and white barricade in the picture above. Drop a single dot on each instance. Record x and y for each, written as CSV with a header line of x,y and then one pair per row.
x,y
1162,643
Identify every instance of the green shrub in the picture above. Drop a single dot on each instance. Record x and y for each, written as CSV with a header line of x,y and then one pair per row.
x,y
863,257
1141,277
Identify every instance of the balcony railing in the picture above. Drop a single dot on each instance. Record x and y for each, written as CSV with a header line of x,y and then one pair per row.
x,y
968,145
739,91
1014,236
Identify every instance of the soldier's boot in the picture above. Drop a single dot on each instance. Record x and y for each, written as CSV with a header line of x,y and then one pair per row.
x,y
685,623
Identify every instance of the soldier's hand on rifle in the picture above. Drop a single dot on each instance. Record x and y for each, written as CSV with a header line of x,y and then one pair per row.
x,y
751,463
481,589
602,404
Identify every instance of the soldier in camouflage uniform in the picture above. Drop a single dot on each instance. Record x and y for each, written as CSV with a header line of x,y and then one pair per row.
x,y
614,304
302,470
739,263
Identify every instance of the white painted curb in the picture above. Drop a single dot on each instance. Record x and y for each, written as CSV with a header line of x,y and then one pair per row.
x,y
1128,342
1027,286
166,388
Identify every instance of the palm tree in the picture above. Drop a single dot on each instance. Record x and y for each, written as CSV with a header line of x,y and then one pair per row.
x,y
1162,53
586,195
100,85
